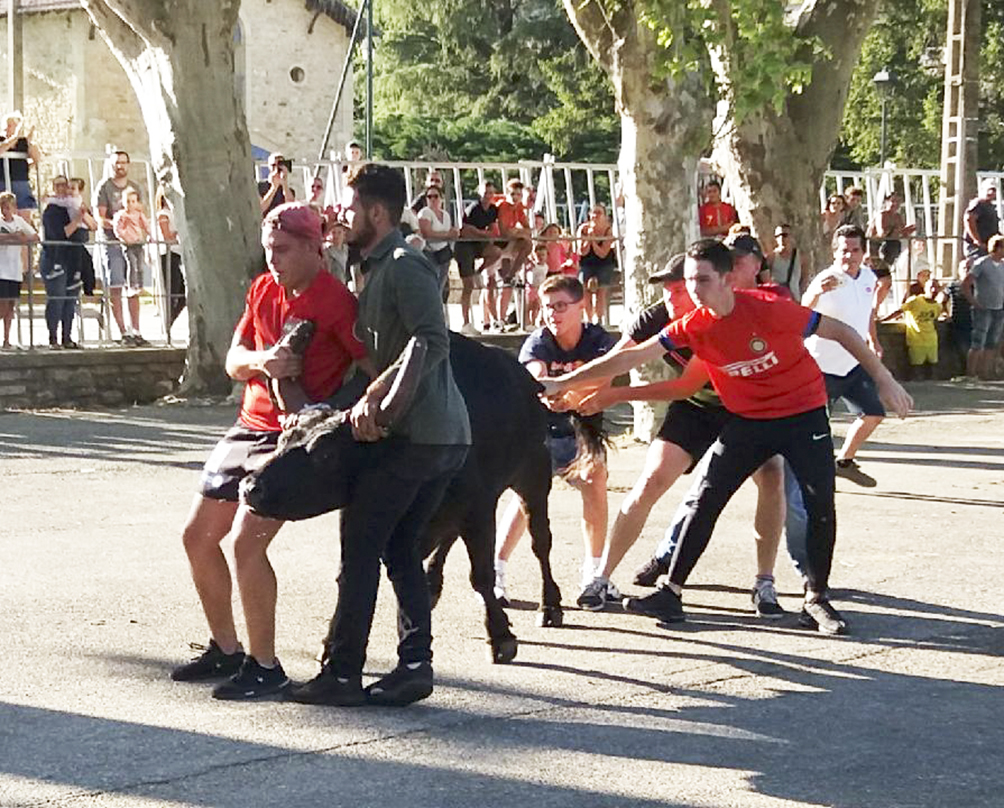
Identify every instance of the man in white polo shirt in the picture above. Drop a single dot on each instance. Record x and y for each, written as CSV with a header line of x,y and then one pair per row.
x,y
846,292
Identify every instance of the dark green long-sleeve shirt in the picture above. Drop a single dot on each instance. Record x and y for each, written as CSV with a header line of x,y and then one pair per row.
x,y
402,299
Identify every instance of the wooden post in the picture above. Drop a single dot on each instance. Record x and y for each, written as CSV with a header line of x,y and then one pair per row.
x,y
15,58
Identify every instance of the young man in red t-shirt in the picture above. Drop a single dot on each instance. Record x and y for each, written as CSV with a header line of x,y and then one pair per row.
x,y
751,345
716,217
514,228
297,286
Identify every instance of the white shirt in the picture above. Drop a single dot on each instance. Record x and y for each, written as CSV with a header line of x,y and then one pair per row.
x,y
438,227
852,303
11,266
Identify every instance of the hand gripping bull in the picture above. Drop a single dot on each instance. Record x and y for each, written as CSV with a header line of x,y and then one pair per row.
x,y
313,468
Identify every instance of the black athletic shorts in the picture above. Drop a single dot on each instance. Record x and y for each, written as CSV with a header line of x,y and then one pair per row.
x,y
240,452
467,253
856,390
693,428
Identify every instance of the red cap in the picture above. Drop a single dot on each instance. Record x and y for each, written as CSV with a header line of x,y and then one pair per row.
x,y
296,218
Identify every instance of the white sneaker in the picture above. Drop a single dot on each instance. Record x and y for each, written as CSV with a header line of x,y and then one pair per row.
x,y
613,594
468,330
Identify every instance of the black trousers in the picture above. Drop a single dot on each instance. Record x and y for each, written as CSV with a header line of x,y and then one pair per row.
x,y
389,509
744,445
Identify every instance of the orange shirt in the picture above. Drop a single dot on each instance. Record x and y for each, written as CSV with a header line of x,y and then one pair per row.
x,y
511,214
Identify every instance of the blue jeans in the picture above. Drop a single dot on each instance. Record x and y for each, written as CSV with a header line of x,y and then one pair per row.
x,y
61,302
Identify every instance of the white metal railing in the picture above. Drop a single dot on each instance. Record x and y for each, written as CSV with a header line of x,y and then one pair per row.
x,y
920,189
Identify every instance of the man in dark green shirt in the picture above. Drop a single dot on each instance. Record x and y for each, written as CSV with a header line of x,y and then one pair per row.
x,y
393,500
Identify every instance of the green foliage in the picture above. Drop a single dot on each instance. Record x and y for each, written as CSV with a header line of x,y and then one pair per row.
x,y
461,76
903,36
765,59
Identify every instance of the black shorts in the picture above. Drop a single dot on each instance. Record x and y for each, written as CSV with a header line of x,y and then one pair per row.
x,y
240,452
693,428
856,390
10,290
603,272
467,253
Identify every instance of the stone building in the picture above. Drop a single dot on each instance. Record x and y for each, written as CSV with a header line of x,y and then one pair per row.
x,y
288,56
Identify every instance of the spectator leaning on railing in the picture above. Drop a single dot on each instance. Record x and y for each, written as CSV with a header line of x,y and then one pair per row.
x,y
15,232
170,257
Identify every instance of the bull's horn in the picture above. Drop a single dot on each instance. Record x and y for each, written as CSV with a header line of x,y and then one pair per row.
x,y
405,384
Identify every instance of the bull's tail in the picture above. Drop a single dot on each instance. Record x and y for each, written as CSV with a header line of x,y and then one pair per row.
x,y
591,443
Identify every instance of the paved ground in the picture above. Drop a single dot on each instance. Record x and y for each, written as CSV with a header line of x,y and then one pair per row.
x,y
608,711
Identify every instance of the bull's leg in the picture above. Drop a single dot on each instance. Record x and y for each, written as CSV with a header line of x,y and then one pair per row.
x,y
434,569
534,489
479,538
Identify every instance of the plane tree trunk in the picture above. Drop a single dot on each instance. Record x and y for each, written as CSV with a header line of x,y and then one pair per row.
x,y
179,57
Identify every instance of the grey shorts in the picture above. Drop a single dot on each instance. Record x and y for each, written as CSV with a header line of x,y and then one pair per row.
x,y
120,272
240,452
988,328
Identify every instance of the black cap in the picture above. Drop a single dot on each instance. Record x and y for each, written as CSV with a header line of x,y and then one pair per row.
x,y
673,271
744,244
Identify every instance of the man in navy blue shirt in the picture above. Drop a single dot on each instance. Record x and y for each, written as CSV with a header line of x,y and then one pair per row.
x,y
562,345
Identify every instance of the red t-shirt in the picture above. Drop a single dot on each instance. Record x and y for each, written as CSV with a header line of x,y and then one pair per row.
x,y
755,356
511,214
719,214
332,349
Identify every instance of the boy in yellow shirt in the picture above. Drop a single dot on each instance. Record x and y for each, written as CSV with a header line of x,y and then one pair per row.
x,y
921,312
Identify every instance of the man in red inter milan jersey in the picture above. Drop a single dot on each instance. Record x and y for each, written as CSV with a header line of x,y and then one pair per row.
x,y
751,345
295,287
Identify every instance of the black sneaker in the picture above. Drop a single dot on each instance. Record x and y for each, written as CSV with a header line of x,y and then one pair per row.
x,y
212,663
328,689
821,616
663,604
850,470
403,685
649,572
252,681
765,601
594,596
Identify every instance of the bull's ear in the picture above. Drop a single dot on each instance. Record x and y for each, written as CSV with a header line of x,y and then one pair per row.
x,y
405,384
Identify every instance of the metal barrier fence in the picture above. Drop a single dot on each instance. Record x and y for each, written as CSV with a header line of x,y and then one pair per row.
x,y
158,290
920,189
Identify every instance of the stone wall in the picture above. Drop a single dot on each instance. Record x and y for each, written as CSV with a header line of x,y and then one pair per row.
x,y
79,100
89,378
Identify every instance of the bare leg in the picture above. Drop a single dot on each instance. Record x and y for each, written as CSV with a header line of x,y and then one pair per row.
x,y
770,513
115,295
601,305
594,514
256,580
859,432
134,312
664,464
510,529
208,522
467,289
7,309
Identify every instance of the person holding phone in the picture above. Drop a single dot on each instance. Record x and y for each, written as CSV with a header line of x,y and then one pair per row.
x,y
275,190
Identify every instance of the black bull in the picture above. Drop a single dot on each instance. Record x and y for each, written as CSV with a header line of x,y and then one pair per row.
x,y
313,471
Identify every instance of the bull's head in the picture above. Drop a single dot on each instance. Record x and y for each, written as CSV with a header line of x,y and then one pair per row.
x,y
317,459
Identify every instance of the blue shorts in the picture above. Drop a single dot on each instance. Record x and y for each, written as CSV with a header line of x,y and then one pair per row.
x,y
856,390
988,328
563,450
22,191
603,272
120,272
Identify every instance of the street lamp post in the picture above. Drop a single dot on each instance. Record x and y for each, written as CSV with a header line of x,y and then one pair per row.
x,y
883,81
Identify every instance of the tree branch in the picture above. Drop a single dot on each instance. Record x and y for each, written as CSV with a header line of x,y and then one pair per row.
x,y
595,29
115,28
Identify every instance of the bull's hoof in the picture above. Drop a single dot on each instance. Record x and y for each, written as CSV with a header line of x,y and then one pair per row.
x,y
503,651
550,617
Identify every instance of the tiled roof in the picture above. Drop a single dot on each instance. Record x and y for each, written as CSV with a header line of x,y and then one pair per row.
x,y
26,6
